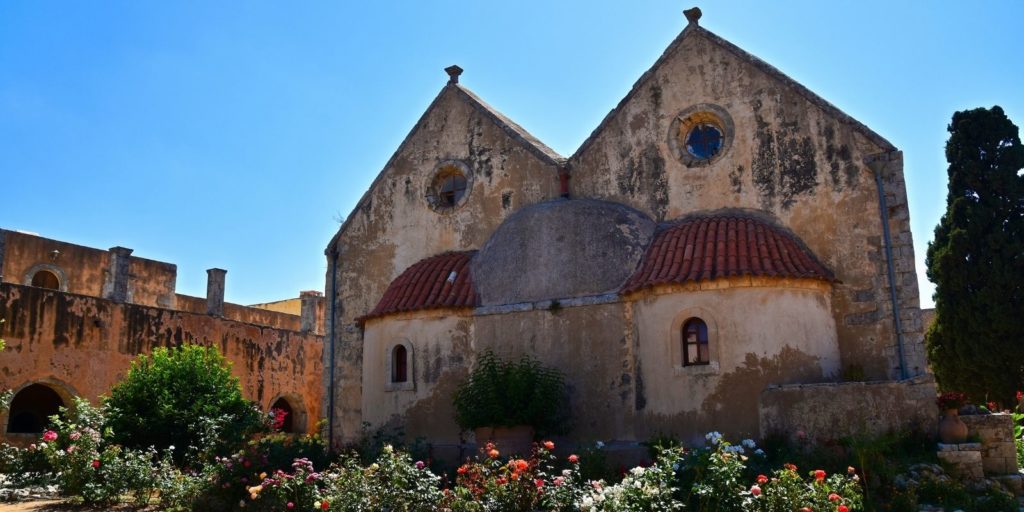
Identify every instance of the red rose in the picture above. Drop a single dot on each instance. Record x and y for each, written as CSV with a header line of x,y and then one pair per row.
x,y
819,475
96,464
834,497
755,490
548,445
842,508
573,459
324,505
761,479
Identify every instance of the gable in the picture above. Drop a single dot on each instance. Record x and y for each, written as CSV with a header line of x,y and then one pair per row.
x,y
405,215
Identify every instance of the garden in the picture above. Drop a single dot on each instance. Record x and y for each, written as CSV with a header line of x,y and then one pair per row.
x,y
177,435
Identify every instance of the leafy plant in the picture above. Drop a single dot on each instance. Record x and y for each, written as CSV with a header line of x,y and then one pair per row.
x,y
505,393
184,397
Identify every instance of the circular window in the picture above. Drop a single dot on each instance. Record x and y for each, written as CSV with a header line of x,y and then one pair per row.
x,y
449,186
700,134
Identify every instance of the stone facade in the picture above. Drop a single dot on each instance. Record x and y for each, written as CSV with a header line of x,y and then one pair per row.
x,y
77,334
799,249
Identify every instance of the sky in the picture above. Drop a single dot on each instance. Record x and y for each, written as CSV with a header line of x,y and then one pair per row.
x,y
238,134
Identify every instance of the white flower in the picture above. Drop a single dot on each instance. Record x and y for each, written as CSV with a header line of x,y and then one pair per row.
x,y
599,445
171,447
749,443
639,470
567,473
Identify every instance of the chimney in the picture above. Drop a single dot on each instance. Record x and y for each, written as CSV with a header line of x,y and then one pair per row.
x,y
119,260
311,300
215,291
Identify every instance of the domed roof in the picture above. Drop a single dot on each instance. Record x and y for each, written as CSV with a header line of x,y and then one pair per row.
x,y
559,249
438,282
702,248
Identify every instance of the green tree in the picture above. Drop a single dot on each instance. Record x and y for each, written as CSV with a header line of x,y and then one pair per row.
x,y
976,261
184,397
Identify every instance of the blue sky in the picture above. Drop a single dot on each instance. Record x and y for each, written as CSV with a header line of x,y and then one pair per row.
x,y
236,134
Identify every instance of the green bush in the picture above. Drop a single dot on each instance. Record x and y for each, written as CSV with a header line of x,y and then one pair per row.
x,y
506,394
88,469
184,397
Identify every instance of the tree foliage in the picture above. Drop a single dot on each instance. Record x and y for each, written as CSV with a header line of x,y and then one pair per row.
x,y
184,397
976,260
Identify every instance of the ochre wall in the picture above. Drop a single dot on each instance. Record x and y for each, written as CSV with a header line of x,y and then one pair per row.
x,y
763,333
84,345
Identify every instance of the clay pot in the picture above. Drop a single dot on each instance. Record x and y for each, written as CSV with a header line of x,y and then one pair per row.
x,y
952,430
516,440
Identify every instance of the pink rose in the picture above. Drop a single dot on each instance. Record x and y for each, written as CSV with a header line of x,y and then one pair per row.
x,y
50,436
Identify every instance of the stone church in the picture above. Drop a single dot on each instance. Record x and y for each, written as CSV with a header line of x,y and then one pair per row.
x,y
727,251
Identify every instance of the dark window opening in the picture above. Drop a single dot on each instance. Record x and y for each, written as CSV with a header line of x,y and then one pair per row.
x,y
451,188
704,141
46,279
31,409
695,343
399,364
288,424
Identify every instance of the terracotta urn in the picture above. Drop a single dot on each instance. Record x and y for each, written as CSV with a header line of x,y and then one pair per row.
x,y
517,440
952,429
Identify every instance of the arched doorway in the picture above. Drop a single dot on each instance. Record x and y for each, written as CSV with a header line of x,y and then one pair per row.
x,y
31,409
289,418
46,279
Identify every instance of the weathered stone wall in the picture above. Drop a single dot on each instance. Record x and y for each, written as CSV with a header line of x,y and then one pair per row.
x,y
998,451
832,411
791,155
82,346
84,270
761,333
394,226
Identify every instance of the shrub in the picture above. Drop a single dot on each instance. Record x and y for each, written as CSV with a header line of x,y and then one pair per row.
x,y
495,484
88,469
24,467
505,393
184,397
232,475
393,482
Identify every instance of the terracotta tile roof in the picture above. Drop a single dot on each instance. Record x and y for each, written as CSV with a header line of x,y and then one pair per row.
x,y
713,247
441,281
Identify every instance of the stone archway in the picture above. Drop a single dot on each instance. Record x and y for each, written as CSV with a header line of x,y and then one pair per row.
x,y
295,420
32,406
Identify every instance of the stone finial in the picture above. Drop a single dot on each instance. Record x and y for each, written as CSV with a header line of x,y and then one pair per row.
x,y
693,15
453,73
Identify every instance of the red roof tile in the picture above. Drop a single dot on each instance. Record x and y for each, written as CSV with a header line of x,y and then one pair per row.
x,y
441,281
713,247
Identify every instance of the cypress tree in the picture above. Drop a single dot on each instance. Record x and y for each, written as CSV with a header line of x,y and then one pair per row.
x,y
976,261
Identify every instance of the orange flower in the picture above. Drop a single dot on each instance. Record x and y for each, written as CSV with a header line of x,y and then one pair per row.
x,y
791,467
462,469
493,453
548,445
761,479
521,465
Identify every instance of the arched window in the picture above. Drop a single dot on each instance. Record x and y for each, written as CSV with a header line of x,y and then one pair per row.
x,y
46,279
695,343
399,364
288,423
31,409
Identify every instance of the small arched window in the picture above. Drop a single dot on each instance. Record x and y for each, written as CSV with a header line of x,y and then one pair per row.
x,y
31,409
46,279
287,423
695,343
399,364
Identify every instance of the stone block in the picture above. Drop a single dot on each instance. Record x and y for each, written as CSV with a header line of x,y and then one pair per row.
x,y
1012,483
965,464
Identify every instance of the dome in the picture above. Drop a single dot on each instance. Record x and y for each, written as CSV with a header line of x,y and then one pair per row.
x,y
560,249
